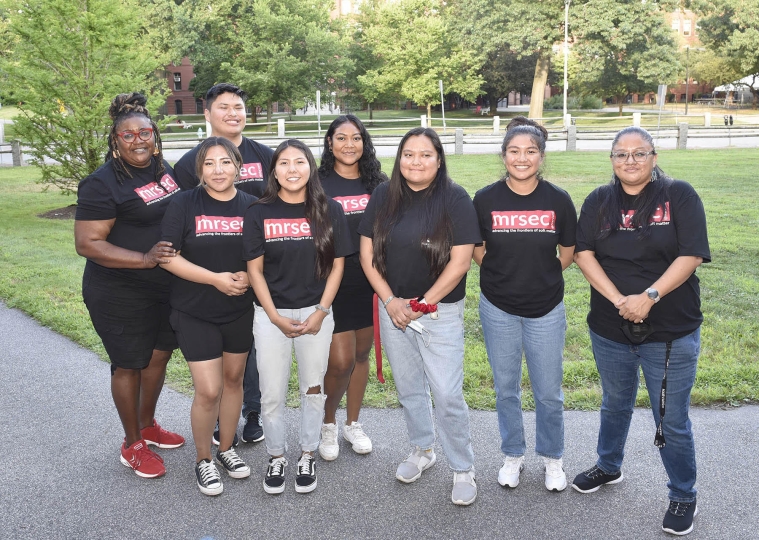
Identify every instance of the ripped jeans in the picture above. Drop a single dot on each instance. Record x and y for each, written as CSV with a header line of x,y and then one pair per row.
x,y
274,355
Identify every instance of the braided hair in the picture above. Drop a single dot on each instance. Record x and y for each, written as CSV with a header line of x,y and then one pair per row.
x,y
126,106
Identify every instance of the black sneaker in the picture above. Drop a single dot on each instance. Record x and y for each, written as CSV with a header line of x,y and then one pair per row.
x,y
305,479
592,479
253,430
679,518
231,462
209,481
215,438
274,481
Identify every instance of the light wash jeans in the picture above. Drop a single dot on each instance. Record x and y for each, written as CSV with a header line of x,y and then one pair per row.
x,y
618,365
542,340
274,355
434,361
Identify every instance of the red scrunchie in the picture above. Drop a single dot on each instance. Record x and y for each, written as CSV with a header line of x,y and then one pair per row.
x,y
425,308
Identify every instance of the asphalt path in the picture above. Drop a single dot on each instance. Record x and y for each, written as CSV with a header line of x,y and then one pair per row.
x,y
62,477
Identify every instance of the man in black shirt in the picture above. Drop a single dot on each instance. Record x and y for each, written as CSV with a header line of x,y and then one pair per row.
x,y
225,111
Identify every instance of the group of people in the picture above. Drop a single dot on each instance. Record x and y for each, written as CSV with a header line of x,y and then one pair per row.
x,y
240,256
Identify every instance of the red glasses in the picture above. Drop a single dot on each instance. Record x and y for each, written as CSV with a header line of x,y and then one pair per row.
x,y
130,136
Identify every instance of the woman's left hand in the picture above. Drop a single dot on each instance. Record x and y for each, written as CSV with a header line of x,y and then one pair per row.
x,y
313,323
634,307
242,278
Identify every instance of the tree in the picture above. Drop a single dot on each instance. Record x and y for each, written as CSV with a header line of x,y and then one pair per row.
x,y
276,50
622,48
418,48
70,58
730,29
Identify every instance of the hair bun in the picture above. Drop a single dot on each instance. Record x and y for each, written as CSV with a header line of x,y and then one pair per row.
x,y
133,101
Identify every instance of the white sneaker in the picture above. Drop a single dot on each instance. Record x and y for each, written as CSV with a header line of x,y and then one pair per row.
x,y
556,480
355,435
509,473
328,447
419,461
464,488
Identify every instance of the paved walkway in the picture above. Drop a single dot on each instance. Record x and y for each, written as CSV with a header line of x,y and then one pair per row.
x,y
62,477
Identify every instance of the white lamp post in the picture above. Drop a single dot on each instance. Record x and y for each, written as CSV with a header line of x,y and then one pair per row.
x,y
566,54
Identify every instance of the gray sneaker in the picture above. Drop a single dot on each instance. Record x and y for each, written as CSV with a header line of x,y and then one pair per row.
x,y
411,469
464,488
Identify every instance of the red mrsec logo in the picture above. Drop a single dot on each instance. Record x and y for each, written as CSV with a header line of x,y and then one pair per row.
x,y
353,204
217,225
659,217
286,228
152,192
251,171
525,219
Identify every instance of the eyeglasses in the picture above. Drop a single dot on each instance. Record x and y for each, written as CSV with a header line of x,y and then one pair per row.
x,y
638,157
129,136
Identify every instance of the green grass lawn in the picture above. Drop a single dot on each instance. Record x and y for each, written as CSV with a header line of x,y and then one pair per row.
x,y
40,273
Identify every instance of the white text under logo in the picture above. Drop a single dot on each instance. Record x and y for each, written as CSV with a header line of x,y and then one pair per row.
x,y
524,220
659,217
152,192
218,225
353,204
291,228
251,171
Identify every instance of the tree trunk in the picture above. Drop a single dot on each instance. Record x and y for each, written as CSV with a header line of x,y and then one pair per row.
x,y
253,115
429,115
268,117
492,102
621,103
371,113
539,87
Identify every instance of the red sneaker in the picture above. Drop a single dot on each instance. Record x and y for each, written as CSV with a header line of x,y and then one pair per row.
x,y
142,460
157,436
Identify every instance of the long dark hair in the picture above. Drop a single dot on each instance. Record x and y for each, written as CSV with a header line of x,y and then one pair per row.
x,y
126,106
437,229
612,196
317,207
227,145
368,165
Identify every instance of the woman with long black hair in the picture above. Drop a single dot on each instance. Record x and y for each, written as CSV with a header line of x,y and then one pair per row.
x,y
349,171
118,227
640,239
418,235
295,240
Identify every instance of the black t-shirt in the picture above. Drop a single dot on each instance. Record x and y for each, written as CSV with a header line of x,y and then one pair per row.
x,y
138,205
520,272
256,160
408,271
352,196
634,264
208,232
280,232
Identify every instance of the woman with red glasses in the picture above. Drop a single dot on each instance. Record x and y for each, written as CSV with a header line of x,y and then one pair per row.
x,y
118,227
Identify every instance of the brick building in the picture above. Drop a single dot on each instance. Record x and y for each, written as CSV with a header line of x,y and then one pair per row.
x,y
181,100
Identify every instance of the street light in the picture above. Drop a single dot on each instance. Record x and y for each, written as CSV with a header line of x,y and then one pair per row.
x,y
687,77
566,53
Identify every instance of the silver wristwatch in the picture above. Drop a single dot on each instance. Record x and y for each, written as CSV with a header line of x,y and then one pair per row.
x,y
653,294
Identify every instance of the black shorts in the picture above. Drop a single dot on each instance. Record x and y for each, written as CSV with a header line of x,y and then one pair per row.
x,y
352,307
131,321
202,340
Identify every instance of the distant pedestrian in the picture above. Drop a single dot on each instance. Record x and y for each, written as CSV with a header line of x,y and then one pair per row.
x,y
350,171
524,221
418,234
118,226
212,304
295,242
639,241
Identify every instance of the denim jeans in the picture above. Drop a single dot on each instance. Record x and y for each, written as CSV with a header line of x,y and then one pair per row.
x,y
542,340
251,399
432,362
274,352
618,365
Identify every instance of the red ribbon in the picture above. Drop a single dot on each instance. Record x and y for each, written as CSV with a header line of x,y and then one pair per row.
x,y
377,342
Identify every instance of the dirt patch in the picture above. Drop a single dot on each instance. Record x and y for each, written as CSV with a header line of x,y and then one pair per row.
x,y
67,212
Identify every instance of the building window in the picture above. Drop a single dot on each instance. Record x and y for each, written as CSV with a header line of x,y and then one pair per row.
x,y
178,106
676,25
686,27
177,81
198,106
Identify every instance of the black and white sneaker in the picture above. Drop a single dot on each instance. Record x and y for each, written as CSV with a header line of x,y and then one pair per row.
x,y
274,481
592,479
253,431
679,518
231,462
305,479
215,438
209,480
